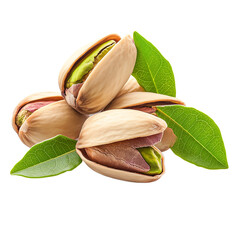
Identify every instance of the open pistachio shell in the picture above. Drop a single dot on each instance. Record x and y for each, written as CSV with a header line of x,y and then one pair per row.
x,y
115,126
130,86
107,77
135,99
48,121
119,174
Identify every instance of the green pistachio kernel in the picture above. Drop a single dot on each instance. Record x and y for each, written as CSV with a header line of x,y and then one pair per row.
x,y
153,159
87,64
22,116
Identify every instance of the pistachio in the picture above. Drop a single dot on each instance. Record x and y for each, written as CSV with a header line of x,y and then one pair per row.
x,y
125,149
147,102
44,115
94,75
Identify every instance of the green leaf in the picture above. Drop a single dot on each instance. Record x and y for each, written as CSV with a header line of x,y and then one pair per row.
x,y
199,139
49,158
152,71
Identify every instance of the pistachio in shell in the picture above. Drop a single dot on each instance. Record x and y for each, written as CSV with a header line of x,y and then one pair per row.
x,y
94,75
120,144
147,102
44,115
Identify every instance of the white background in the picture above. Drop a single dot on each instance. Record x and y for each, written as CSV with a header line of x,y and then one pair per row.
x,y
201,40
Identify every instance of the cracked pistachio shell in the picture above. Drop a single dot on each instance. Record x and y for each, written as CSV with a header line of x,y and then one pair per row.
x,y
135,99
48,121
106,79
114,126
130,86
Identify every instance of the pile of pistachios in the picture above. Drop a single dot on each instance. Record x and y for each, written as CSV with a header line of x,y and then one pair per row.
x,y
103,107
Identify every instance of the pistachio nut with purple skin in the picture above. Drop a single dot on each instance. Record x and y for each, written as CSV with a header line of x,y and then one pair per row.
x,y
94,75
44,115
125,148
147,102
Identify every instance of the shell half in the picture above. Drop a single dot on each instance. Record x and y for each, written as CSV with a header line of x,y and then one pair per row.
x,y
119,174
118,125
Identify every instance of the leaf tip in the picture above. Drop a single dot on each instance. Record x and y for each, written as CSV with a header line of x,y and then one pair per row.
x,y
135,34
222,167
12,172
225,166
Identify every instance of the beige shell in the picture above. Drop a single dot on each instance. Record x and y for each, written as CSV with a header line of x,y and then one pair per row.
x,y
135,99
113,126
119,174
130,86
168,140
118,125
51,120
106,79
